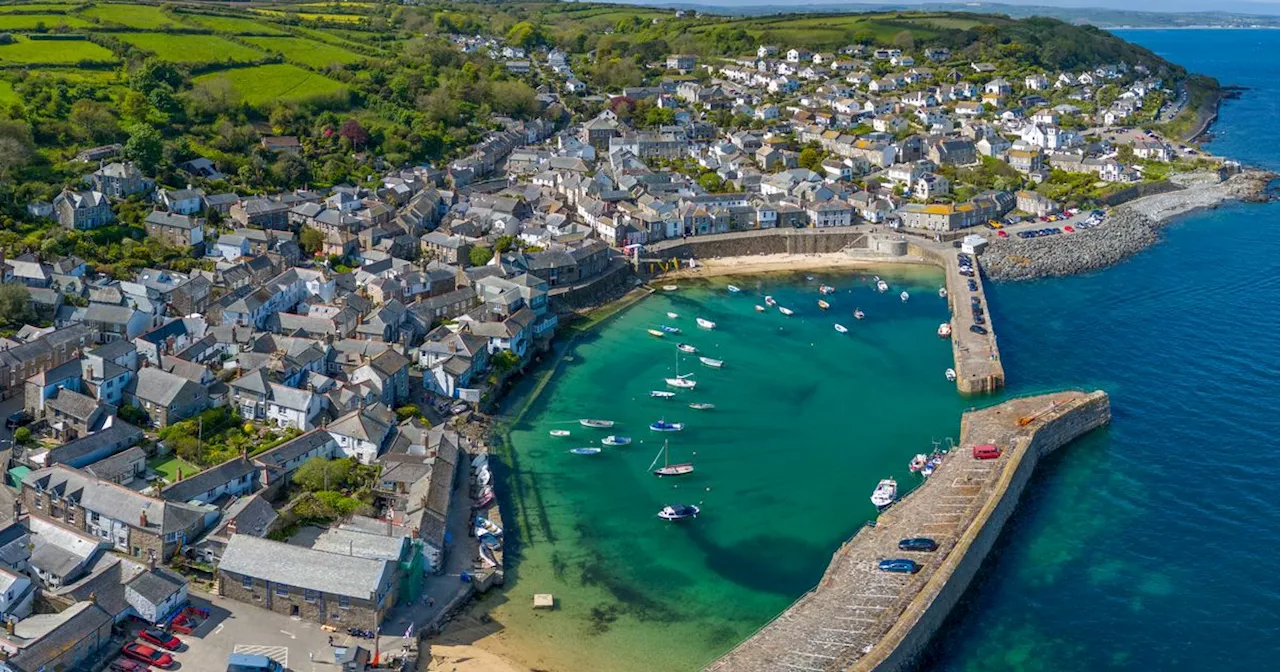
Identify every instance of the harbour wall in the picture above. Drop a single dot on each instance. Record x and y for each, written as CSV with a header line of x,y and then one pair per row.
x,y
979,368
752,243
901,648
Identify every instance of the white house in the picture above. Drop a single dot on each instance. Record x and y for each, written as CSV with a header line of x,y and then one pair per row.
x,y
360,435
16,595
291,407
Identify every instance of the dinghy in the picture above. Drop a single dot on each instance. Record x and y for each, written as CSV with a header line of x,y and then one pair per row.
x,y
586,450
614,440
705,323
713,363
842,329
559,432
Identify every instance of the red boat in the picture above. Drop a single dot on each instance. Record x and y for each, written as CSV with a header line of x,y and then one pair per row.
x,y
485,499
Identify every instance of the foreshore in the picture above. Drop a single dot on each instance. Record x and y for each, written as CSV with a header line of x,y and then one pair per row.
x,y
782,263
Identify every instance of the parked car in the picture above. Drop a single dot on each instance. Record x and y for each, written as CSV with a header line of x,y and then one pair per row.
x,y
160,638
123,664
148,655
1002,234
977,329
899,566
973,285
18,419
1068,229
922,544
986,451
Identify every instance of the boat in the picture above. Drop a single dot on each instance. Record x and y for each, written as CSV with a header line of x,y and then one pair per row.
x,y
786,311
662,394
823,304
713,363
944,330
486,556
483,477
484,499
857,313
655,332
885,493
596,424
827,289
669,329
489,541
586,450
668,469
734,289
670,288
705,323
679,512
615,440
934,461
559,432
842,329
484,525
759,308
680,381
480,461
673,315
904,296
951,375
685,347
768,301
664,426
918,462
882,286
942,292
701,406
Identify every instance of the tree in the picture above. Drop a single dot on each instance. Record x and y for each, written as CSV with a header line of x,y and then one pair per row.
x,y
810,158
16,308
407,411
22,435
525,34
504,243
904,40
94,120
479,256
354,133
145,147
310,240
318,474
16,145
710,181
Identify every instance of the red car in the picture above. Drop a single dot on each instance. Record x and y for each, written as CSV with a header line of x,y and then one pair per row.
x,y
986,451
1002,234
148,655
1068,229
128,665
187,621
160,638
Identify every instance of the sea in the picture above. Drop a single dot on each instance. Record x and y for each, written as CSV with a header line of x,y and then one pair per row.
x,y
1150,544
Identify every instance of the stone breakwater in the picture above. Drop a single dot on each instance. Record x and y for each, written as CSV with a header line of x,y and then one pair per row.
x,y
1127,230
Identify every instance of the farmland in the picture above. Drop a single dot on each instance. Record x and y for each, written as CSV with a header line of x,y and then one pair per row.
x,y
55,8
35,21
7,95
143,17
194,49
233,25
270,84
330,18
25,50
306,52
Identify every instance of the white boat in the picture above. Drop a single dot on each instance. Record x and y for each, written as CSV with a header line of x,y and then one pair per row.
x,y
885,493
768,301
759,308
662,394
827,289
668,469
944,330
823,304
670,288
615,440
586,450
904,296
857,313
918,462
842,329
713,363
679,511
484,476
882,286
655,332
664,426
942,292
701,406
680,381
487,557
685,347
480,461
951,375
705,323
559,432
487,526
595,424
673,315
786,311
733,289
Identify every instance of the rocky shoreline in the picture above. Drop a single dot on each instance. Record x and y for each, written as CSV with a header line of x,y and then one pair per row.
x,y
1127,230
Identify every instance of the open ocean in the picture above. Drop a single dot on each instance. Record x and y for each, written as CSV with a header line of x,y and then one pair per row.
x,y
1148,545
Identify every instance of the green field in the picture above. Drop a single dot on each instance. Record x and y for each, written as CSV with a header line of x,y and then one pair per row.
x,y
33,21
7,94
233,25
53,51
55,8
264,85
331,18
145,17
177,48
306,52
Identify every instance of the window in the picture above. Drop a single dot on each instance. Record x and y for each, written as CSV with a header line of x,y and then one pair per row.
x,y
282,590
246,582
137,552
344,602
310,595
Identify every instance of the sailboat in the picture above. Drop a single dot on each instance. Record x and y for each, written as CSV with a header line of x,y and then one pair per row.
x,y
680,381
664,426
679,511
668,469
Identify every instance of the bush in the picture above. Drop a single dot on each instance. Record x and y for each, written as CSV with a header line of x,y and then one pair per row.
x,y
407,411
22,435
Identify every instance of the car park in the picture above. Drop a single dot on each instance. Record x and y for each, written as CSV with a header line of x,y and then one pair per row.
x,y
920,544
899,566
148,654
977,329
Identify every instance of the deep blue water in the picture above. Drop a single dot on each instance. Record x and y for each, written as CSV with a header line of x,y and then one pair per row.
x,y
1155,544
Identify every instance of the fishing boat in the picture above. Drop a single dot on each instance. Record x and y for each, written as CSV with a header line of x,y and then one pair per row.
x,y
882,286
685,347
857,313
705,323
768,301
942,292
885,493
669,329
823,304
486,526
934,461
679,512
664,426
951,375
615,440
670,288
713,363
842,329
662,394
668,469
759,308
559,432
944,330
586,450
673,315
827,289
786,311
701,406
918,462
904,296
681,381
733,289
655,332
596,424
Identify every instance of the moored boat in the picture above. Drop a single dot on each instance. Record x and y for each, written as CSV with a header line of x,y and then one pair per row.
x,y
679,511
944,330
685,347
842,329
701,406
489,541
681,381
484,499
881,285
885,493
786,311
713,363
904,296
615,440
661,394
596,424
942,292
655,332
951,375
733,289
759,308
768,301
673,315
664,426
670,288
586,450
918,462
559,432
668,469
858,314
705,323
486,526
669,329
827,289
823,304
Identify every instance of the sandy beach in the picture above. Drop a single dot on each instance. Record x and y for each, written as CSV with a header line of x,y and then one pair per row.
x,y
781,263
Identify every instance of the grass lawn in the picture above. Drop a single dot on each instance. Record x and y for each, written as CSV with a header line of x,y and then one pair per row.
x,y
146,17
168,466
306,52
233,25
192,48
53,51
7,94
266,84
33,21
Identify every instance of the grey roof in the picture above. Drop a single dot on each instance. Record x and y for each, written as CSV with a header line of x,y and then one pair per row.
x,y
54,634
300,567
171,220
115,349
113,501
362,425
120,433
115,466
156,586
60,551
253,515
163,388
280,455
78,406
290,397
207,480
361,544
108,314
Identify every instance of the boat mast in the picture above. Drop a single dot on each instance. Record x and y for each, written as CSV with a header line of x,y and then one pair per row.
x,y
660,454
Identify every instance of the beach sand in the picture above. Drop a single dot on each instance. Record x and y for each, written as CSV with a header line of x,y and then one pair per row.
x,y
781,263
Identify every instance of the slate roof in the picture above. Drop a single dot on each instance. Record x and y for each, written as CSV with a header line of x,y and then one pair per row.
x,y
54,634
156,586
164,388
305,568
207,480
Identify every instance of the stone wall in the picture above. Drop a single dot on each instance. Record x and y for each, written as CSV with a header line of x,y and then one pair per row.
x,y
324,609
903,645
1140,190
616,280
753,243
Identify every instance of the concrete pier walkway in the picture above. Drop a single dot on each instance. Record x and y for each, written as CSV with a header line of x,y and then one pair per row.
x,y
860,618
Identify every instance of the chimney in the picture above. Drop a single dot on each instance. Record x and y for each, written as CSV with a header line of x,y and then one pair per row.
x,y
231,526
142,519
151,561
